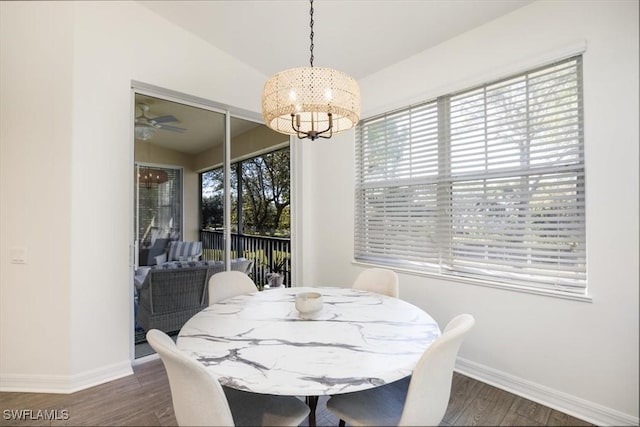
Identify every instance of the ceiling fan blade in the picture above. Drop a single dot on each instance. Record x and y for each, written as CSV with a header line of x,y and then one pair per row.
x,y
172,128
164,119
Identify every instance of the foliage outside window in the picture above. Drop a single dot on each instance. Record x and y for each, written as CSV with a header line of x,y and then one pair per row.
x,y
265,191
485,184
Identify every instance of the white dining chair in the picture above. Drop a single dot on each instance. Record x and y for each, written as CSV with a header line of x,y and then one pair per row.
x,y
427,397
227,284
200,400
379,280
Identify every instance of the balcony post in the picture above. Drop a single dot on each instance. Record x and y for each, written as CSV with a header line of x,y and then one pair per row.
x,y
239,209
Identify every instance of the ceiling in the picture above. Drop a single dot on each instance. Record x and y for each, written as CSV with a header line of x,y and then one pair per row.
x,y
358,37
204,128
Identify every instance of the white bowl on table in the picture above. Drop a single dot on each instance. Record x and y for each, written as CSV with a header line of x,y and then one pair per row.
x,y
308,304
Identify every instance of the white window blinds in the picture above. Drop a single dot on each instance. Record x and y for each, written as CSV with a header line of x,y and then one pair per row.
x,y
487,183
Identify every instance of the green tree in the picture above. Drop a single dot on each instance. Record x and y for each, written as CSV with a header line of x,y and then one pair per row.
x,y
265,193
212,198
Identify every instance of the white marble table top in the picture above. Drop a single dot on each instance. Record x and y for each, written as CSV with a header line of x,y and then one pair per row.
x,y
258,342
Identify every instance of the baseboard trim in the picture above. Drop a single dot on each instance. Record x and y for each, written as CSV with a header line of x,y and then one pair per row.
x,y
100,375
144,359
34,383
64,384
560,401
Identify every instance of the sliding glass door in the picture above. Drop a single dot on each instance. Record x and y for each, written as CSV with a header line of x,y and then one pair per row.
x,y
212,181
174,141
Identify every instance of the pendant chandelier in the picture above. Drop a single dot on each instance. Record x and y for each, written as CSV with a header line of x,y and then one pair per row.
x,y
148,177
311,102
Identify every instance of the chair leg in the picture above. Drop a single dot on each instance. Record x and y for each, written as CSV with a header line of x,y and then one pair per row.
x,y
341,423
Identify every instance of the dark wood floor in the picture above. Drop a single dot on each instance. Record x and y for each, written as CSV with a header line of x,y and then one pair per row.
x,y
144,399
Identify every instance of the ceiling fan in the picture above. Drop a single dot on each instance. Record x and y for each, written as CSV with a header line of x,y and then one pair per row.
x,y
146,126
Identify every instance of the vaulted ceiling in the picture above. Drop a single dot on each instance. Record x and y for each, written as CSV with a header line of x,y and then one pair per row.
x,y
358,37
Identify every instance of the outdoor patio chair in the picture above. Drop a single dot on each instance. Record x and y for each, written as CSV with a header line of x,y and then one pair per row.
x,y
148,255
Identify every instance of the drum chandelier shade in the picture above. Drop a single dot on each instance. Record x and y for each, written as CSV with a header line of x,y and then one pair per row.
x,y
306,99
311,102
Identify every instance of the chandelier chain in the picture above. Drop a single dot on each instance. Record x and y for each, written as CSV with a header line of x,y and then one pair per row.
x,y
311,35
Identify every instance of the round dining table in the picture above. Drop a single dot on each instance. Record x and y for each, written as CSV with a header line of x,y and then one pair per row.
x,y
259,342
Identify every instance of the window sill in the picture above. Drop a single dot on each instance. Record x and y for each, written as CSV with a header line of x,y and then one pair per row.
x,y
485,283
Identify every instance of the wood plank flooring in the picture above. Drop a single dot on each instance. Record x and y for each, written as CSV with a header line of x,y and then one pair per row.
x,y
144,399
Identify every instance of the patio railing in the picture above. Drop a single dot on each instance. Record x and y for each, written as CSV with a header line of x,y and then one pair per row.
x,y
263,250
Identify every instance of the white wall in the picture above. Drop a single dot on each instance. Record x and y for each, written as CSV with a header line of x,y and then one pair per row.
x,y
115,43
36,51
577,356
67,161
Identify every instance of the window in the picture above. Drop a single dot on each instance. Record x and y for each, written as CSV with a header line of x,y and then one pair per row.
x,y
264,205
260,214
158,210
485,184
